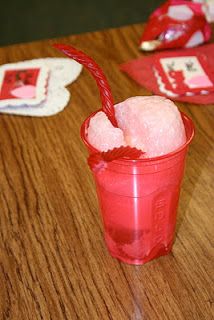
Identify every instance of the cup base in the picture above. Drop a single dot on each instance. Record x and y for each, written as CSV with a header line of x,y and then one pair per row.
x,y
154,254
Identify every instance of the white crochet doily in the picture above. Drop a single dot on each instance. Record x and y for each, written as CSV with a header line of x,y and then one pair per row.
x,y
62,72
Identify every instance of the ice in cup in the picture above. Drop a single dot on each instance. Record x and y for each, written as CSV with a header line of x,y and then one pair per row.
x,y
138,199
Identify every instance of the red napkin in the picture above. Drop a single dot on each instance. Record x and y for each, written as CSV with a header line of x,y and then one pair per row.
x,y
141,70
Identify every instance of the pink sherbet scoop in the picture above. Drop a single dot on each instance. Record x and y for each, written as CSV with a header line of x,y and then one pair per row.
x,y
152,124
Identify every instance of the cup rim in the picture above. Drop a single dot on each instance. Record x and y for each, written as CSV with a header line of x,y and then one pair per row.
x,y
164,156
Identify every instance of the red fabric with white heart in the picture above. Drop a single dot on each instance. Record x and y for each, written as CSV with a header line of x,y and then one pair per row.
x,y
176,24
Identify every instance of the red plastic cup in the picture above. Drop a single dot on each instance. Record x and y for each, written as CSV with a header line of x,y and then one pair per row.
x,y
138,201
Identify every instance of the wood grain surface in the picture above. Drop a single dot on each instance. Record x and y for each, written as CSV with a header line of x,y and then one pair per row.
x,y
53,260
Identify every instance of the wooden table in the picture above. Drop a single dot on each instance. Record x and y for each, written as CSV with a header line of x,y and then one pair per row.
x,y
53,260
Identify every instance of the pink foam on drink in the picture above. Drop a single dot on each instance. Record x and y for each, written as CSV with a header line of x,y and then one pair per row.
x,y
151,123
102,134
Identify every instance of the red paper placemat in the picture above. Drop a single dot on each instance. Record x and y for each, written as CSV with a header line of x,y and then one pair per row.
x,y
141,70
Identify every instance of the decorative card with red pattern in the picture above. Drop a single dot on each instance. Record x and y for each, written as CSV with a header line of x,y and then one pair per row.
x,y
143,71
23,85
185,75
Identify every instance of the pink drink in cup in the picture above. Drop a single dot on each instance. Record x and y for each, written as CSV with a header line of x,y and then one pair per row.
x,y
138,196
138,200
